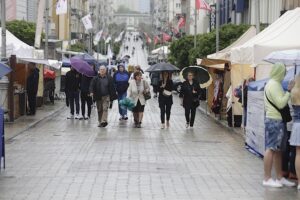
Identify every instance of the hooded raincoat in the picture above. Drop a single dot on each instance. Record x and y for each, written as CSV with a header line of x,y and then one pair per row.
x,y
275,92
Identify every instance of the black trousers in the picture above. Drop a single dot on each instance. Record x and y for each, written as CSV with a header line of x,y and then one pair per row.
x,y
165,111
51,96
86,99
31,103
190,113
288,157
74,99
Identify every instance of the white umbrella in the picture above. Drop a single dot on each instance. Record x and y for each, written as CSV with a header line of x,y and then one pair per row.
x,y
287,57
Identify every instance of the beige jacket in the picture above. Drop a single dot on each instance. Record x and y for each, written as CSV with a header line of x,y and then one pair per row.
x,y
132,91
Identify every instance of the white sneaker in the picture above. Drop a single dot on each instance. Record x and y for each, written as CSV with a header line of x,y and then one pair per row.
x,y
70,117
283,181
272,183
77,116
162,126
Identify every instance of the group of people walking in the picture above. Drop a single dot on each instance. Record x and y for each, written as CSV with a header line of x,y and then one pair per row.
x,y
104,89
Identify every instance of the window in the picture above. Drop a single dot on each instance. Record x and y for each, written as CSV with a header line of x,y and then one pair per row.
x,y
178,5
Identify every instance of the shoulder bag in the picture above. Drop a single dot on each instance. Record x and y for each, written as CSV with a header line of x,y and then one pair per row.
x,y
284,112
147,95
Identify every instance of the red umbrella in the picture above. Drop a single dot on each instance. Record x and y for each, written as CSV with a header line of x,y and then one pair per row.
x,y
49,74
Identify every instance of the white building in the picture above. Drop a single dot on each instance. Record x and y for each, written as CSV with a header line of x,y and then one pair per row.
x,y
21,10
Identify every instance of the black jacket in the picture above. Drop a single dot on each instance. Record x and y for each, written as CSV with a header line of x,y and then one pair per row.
x,y
190,98
162,99
85,83
33,82
95,88
72,81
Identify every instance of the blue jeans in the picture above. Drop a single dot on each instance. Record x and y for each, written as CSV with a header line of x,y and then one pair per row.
x,y
123,112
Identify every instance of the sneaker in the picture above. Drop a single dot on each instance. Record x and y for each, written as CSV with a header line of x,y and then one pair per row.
x,y
125,117
283,181
272,183
77,116
162,126
100,125
70,117
187,125
81,117
86,118
168,124
104,124
121,118
139,125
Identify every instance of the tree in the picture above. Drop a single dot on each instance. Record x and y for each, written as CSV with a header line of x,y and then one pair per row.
x,y
78,47
184,54
25,31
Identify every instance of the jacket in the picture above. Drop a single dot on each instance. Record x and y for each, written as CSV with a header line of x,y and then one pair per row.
x,y
85,83
33,82
189,98
162,99
95,88
121,81
275,92
72,81
133,93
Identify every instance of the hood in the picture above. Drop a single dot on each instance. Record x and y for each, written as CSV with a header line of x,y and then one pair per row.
x,y
278,72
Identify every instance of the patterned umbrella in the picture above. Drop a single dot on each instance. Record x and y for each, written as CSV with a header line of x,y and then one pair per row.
x,y
200,74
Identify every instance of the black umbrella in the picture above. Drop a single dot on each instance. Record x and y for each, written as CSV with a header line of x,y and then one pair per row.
x,y
200,74
161,67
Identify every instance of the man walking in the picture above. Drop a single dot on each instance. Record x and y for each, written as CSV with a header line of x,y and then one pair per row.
x,y
121,78
103,91
32,88
72,89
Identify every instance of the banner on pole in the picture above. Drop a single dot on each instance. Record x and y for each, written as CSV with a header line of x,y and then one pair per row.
x,y
87,22
61,7
97,37
108,40
119,38
39,24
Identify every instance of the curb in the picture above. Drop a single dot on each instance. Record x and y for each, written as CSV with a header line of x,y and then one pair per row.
x,y
35,123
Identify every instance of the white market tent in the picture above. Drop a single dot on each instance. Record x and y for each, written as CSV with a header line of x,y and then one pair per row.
x,y
14,46
50,62
283,34
164,49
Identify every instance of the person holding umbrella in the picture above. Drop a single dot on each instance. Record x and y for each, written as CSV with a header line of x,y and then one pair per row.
x,y
189,95
85,98
165,98
72,89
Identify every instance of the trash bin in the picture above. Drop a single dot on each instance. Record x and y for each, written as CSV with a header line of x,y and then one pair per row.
x,y
2,147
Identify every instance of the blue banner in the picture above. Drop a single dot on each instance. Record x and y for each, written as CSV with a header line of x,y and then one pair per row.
x,y
240,6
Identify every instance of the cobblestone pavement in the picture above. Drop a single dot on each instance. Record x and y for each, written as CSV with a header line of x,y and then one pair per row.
x,y
64,159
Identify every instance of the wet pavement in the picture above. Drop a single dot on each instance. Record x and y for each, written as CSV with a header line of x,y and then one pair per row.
x,y
60,159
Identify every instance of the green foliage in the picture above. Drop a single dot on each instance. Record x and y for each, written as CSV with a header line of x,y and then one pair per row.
x,y
78,47
23,30
184,54
116,48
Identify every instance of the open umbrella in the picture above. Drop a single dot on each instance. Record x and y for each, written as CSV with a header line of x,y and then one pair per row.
x,y
161,67
287,57
4,69
49,74
127,103
200,74
82,67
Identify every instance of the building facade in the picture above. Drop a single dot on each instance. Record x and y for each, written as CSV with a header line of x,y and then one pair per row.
x,y
21,10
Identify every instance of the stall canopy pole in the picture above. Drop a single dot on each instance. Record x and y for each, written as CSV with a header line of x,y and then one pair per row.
x,y
3,25
11,107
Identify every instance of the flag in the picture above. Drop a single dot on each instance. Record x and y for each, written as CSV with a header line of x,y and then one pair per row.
x,y
181,22
156,40
148,39
108,40
87,22
39,24
166,37
97,37
61,7
202,4
109,52
119,38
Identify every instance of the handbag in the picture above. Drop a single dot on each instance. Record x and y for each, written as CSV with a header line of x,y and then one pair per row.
x,y
284,112
167,93
147,95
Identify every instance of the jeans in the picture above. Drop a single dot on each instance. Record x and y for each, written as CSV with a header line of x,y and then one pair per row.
x,y
74,98
165,110
86,99
123,112
190,113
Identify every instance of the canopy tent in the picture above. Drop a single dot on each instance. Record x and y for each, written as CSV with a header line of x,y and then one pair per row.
x,y
164,49
99,56
51,63
225,53
14,46
281,35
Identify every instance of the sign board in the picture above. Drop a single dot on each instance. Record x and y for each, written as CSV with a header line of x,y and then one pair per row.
x,y
255,130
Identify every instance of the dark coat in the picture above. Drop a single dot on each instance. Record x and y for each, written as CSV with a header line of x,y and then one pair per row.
x,y
49,84
33,82
162,99
121,81
95,88
72,81
189,98
85,83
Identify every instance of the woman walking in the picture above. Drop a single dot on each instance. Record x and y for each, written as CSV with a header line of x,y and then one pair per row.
x,y
189,95
137,90
165,98
295,136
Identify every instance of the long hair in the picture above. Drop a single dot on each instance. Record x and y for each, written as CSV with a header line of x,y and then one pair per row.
x,y
295,93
